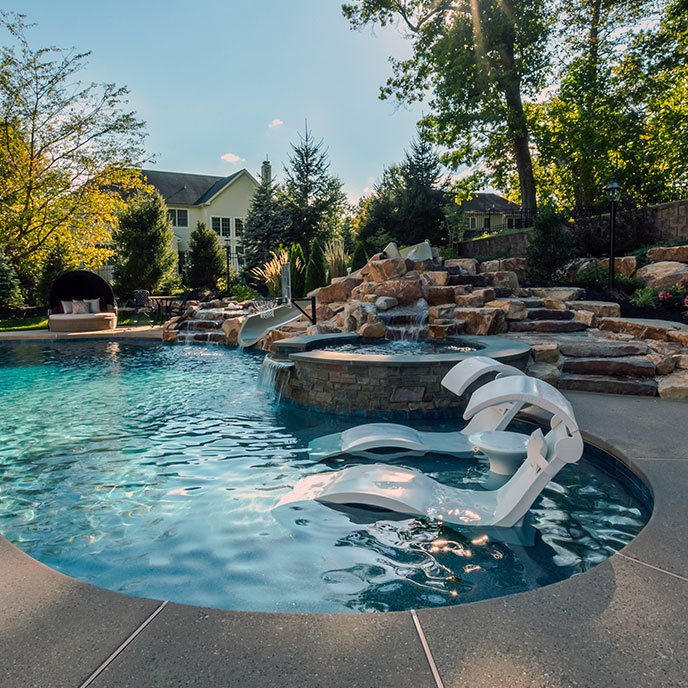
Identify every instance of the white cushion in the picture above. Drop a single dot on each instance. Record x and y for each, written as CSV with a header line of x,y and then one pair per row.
x,y
93,305
66,307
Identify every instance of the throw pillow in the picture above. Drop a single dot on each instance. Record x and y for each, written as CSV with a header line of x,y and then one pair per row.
x,y
66,306
93,305
79,307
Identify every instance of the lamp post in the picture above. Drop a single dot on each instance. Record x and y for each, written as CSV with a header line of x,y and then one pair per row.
x,y
613,195
227,249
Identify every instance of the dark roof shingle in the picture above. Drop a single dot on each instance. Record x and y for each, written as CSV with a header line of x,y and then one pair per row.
x,y
483,202
180,188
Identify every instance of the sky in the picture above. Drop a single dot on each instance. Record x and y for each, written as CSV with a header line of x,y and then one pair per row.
x,y
223,83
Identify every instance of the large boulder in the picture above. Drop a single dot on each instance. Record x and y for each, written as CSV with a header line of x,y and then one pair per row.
x,y
513,308
558,293
339,290
373,330
604,309
502,279
408,293
383,270
384,303
231,329
674,386
664,274
516,265
622,266
481,321
470,265
662,253
435,278
439,295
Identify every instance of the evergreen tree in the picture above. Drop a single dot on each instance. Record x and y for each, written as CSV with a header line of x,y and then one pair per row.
x,y
420,213
298,271
9,284
265,226
206,263
316,270
552,245
57,262
359,257
312,198
145,257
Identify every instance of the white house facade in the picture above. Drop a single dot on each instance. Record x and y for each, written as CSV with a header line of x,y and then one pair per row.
x,y
222,203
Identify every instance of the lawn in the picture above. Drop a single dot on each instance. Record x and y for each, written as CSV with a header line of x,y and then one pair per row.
x,y
41,323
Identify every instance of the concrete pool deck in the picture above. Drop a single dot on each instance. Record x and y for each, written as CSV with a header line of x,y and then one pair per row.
x,y
623,623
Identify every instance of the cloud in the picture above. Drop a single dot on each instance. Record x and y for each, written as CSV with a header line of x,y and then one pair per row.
x,y
234,159
275,123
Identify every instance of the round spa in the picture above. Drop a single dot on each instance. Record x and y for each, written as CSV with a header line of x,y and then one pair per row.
x,y
156,471
347,374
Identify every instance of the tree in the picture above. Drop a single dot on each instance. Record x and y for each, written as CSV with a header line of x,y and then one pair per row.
x,y
265,227
206,263
57,262
359,257
67,150
297,262
143,238
478,58
9,284
313,200
551,246
316,269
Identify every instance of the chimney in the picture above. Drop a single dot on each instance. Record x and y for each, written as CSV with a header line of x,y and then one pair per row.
x,y
266,171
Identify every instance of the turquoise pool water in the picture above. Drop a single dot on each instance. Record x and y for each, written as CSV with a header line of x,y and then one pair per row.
x,y
153,470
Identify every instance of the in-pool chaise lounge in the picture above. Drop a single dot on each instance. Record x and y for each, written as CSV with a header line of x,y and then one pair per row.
x,y
390,441
96,308
409,492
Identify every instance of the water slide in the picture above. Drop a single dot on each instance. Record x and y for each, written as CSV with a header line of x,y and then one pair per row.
x,y
258,325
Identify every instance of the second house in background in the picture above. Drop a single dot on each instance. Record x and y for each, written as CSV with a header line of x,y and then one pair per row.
x,y
221,202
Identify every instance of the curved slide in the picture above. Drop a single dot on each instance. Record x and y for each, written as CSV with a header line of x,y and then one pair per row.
x,y
259,324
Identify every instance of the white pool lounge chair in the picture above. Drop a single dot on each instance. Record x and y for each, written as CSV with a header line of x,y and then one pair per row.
x,y
410,492
390,441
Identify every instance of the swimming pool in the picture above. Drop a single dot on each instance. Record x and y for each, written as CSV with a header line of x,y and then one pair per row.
x,y
153,470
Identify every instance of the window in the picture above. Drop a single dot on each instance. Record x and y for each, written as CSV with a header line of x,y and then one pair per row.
x,y
221,226
486,222
471,223
513,223
238,228
180,218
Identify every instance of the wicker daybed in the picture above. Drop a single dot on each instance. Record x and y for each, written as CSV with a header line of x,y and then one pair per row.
x,y
81,301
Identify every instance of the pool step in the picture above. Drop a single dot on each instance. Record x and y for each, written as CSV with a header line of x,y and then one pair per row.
x,y
607,384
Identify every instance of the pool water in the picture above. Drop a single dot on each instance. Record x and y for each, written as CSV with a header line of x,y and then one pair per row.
x,y
406,347
153,470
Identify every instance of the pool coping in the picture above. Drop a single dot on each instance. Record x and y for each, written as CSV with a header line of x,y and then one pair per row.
x,y
621,623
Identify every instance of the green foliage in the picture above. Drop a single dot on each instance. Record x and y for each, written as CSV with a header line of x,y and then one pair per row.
x,y
265,227
594,275
205,260
57,262
551,245
359,257
449,252
311,197
478,60
298,268
9,284
647,297
408,203
145,257
67,150
270,273
240,291
316,269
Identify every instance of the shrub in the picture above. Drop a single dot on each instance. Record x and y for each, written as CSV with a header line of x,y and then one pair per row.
x,y
359,257
336,258
298,266
10,296
206,263
242,292
551,246
315,270
270,274
647,297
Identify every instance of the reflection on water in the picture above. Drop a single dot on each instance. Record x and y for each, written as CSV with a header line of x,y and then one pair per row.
x,y
154,470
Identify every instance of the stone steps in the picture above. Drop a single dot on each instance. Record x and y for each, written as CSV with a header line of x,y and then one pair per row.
x,y
549,314
558,326
473,280
601,349
605,384
622,366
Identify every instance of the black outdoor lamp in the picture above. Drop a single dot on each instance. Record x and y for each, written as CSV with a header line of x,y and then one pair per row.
x,y
227,258
613,195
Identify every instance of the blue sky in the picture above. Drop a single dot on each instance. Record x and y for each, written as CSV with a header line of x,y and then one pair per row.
x,y
210,77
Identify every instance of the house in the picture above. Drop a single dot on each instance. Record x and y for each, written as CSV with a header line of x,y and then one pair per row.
x,y
488,212
221,202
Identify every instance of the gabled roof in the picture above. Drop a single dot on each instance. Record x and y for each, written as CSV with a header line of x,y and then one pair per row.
x,y
483,202
180,188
